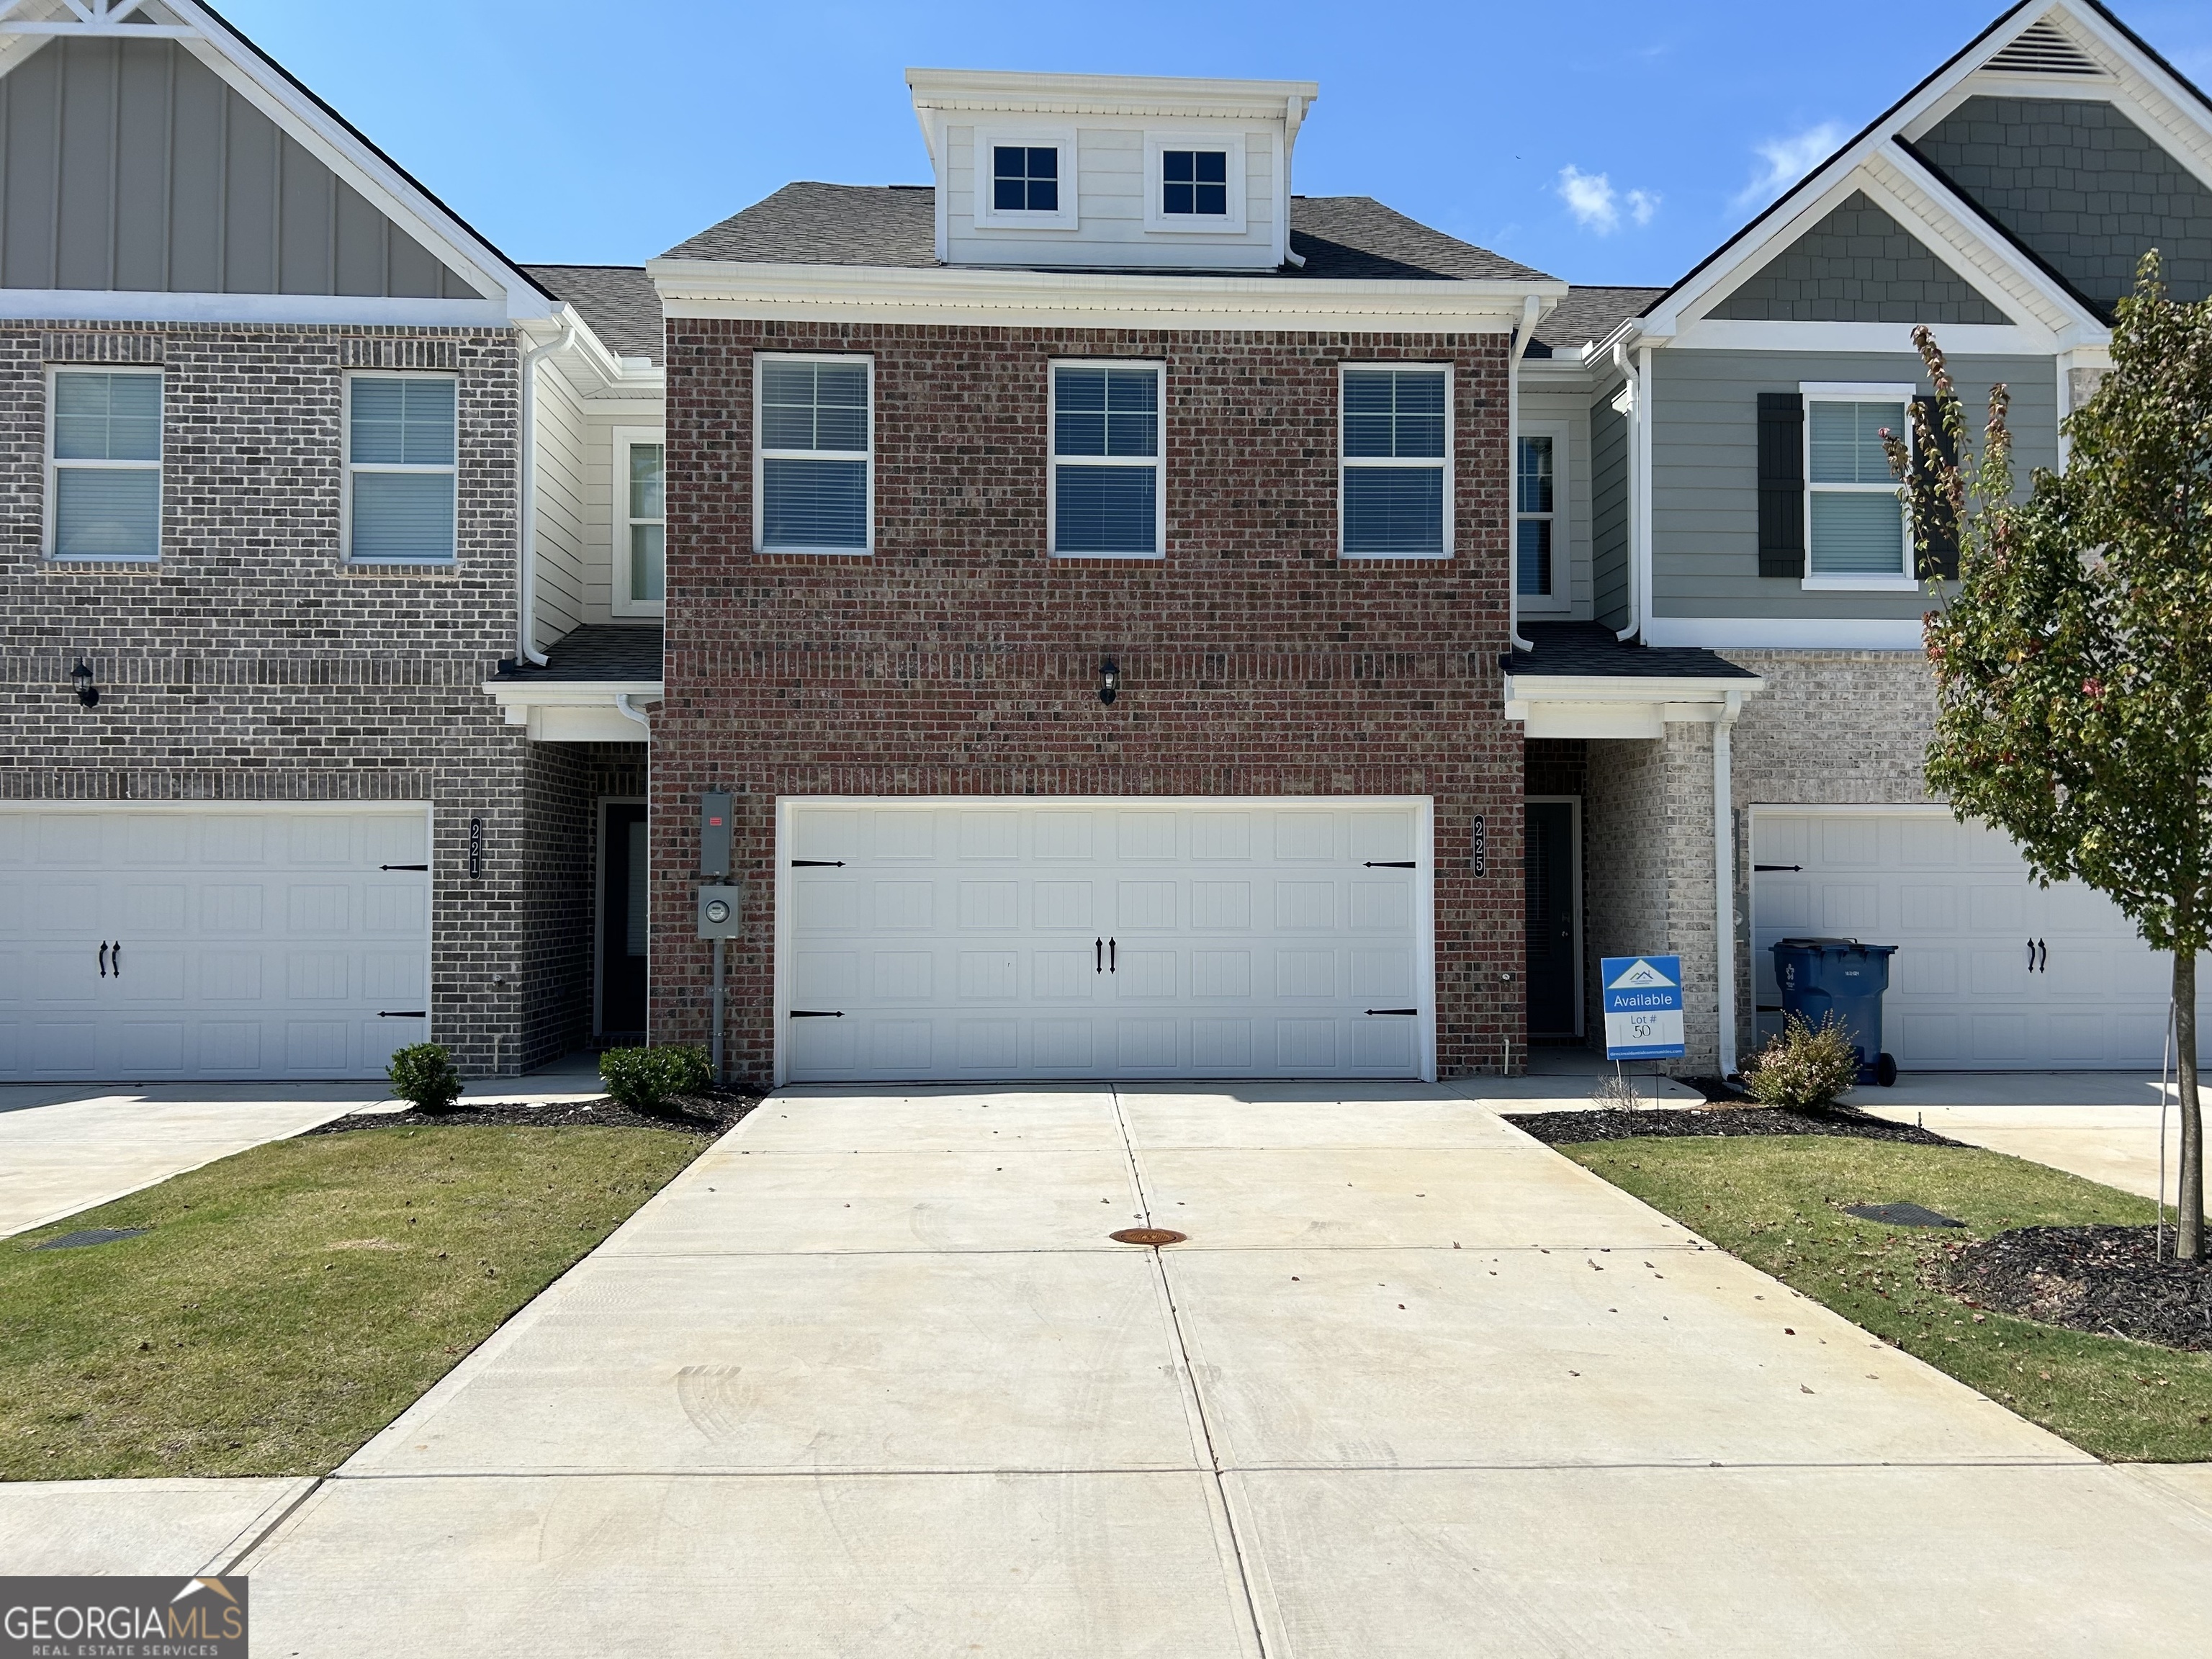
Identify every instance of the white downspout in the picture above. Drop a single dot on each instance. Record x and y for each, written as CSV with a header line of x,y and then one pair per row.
x,y
1724,881
1294,113
525,621
630,711
1635,475
1645,554
1532,307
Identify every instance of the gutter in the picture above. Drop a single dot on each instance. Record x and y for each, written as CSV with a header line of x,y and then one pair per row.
x,y
525,621
629,710
1532,307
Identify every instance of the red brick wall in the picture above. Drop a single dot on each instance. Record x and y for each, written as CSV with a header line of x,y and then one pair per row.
x,y
961,660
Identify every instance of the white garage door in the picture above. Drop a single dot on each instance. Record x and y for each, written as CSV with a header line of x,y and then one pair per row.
x,y
146,943
1080,939
1992,973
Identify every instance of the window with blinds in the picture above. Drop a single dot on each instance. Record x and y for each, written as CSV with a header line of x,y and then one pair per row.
x,y
1854,524
1105,496
104,464
401,448
1396,464
814,460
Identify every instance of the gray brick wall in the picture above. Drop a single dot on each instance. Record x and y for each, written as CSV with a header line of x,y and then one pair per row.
x,y
252,664
1857,265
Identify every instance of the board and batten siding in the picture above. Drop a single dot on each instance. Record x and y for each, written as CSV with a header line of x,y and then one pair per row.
x,y
1704,470
1111,189
1608,514
128,165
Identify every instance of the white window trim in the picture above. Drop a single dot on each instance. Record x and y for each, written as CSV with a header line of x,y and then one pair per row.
x,y
1561,597
159,466
1846,392
989,217
1053,460
1190,224
621,601
761,455
348,467
1450,462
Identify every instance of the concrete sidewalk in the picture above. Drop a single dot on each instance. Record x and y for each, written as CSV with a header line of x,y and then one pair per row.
x,y
869,1378
66,1147
2101,1126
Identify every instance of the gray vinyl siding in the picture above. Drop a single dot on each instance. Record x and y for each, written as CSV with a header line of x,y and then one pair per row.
x,y
1704,468
1608,514
128,165
1858,265
2082,185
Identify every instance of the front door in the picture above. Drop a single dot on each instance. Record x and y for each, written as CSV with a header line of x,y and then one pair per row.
x,y
623,918
1553,974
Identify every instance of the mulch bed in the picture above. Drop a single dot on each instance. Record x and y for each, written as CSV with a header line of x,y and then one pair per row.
x,y
1569,1129
697,1115
2106,1280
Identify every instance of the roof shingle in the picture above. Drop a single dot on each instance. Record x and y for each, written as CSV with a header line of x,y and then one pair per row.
x,y
619,303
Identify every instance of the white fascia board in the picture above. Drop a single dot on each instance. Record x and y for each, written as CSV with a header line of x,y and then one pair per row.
x,y
519,697
332,143
143,306
1757,240
594,371
1013,92
1016,298
1958,339
1626,688
1787,633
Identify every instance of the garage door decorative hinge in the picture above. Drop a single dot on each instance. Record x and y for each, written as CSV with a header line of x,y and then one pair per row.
x,y
1778,866
1393,1011
818,864
403,866
407,1013
1390,864
817,1013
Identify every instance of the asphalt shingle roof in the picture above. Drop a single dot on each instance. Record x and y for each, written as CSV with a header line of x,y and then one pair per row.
x,y
1590,648
599,651
1587,314
895,225
618,302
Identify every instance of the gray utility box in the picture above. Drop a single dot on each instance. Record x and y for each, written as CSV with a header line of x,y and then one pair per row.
x,y
722,911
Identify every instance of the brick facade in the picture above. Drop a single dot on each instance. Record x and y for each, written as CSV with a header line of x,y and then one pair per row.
x,y
253,664
961,660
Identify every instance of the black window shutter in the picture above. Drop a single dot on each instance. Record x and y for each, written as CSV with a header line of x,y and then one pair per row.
x,y
1781,484
1941,559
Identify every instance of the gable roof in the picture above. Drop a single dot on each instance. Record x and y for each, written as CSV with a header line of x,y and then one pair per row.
x,y
893,226
618,303
300,114
2026,22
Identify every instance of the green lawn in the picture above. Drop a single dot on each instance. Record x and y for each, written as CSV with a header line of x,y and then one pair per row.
x,y
1778,1201
289,1302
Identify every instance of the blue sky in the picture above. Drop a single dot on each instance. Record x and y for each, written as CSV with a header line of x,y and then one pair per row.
x,y
1603,141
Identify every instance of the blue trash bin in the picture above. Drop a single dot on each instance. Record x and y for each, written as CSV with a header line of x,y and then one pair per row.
x,y
1840,976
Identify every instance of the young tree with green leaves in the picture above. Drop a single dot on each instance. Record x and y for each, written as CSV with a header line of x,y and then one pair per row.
x,y
2074,662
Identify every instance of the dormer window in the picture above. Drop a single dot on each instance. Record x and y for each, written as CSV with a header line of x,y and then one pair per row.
x,y
1025,178
1195,181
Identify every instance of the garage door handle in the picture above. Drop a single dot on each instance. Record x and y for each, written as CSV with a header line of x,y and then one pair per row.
x,y
410,1013
1111,967
1390,864
115,957
103,958
1393,1011
817,1013
1097,956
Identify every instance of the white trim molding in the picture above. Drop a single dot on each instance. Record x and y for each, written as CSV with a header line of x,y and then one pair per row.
x,y
1620,705
85,304
622,599
1019,134
1787,633
576,711
1157,218
1010,297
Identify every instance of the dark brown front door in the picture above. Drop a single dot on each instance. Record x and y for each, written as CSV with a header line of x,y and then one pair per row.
x,y
622,917
1550,917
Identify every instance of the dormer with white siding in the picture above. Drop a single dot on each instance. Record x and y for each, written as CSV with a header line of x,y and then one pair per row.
x,y
1092,171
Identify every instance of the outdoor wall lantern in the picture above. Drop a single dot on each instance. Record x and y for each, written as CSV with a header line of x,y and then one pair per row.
x,y
80,677
1110,681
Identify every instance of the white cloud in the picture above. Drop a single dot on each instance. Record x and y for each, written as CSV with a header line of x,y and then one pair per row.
x,y
1597,206
1788,160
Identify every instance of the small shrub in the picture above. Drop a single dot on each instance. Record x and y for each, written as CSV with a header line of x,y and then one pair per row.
x,y
646,1079
423,1075
1803,1067
1617,1093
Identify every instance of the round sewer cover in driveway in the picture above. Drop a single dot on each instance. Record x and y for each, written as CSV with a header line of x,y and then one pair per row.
x,y
1152,1235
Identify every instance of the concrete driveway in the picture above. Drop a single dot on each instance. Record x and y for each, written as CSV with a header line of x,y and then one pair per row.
x,y
870,1379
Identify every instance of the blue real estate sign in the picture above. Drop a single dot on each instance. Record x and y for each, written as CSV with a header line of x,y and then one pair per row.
x,y
1642,1006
